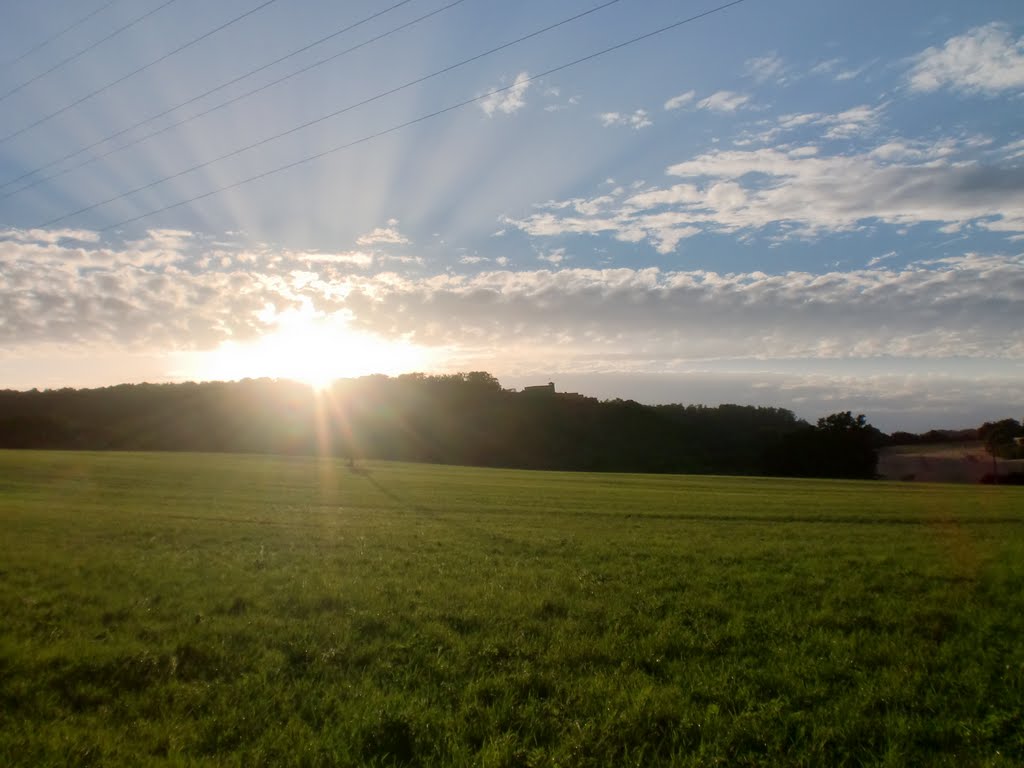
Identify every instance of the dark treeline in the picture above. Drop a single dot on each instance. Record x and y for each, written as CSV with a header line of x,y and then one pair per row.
x,y
452,419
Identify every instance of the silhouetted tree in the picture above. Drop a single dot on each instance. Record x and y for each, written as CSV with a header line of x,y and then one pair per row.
x,y
463,418
840,445
998,437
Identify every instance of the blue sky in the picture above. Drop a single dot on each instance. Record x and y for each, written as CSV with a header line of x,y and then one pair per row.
x,y
812,205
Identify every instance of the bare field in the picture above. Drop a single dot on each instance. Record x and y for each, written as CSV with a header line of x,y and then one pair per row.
x,y
941,463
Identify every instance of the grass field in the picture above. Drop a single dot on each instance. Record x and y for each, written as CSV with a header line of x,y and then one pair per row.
x,y
244,610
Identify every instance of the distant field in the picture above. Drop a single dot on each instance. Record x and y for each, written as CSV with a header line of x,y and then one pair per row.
x,y
243,610
942,463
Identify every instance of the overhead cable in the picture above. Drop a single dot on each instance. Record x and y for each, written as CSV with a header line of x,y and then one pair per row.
x,y
420,119
57,35
136,71
337,112
74,56
221,105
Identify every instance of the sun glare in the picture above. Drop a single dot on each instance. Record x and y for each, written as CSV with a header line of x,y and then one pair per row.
x,y
314,350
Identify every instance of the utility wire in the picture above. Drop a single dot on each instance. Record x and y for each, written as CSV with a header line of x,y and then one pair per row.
x,y
178,106
420,119
52,38
88,48
143,68
337,112
216,107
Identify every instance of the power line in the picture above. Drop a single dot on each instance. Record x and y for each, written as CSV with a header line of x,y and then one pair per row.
x,y
420,119
143,68
85,50
337,112
233,100
178,106
52,38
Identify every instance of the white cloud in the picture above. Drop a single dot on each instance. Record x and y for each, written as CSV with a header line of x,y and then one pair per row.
x,y
388,235
352,258
849,74
985,60
875,260
636,120
677,102
856,121
798,192
508,100
1014,150
723,101
557,256
852,122
766,68
826,67
48,236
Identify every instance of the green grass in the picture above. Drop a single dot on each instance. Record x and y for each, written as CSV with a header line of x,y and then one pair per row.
x,y
243,610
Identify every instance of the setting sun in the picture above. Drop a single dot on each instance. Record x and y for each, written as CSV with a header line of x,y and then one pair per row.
x,y
312,349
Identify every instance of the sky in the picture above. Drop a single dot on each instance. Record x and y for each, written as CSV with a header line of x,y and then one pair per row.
x,y
811,205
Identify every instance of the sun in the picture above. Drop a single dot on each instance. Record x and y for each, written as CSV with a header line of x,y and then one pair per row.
x,y
313,349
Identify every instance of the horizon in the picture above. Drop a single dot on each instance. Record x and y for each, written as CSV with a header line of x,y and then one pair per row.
x,y
771,204
603,391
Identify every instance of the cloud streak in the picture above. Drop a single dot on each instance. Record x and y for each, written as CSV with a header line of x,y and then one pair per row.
x,y
724,101
637,120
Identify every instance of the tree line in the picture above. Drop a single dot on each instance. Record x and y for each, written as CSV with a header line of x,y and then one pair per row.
x,y
465,418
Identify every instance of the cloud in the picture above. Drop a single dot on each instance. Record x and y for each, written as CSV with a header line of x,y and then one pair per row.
x,y
1014,150
583,320
984,60
856,121
798,192
852,122
351,258
167,290
676,102
954,307
850,74
509,100
826,67
636,120
723,101
766,68
388,235
875,260
48,236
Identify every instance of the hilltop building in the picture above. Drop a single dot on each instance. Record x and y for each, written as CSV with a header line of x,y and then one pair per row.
x,y
540,389
548,390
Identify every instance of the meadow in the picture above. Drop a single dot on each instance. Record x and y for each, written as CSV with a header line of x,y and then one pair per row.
x,y
191,609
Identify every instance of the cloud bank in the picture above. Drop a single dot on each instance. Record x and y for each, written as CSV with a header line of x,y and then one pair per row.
x,y
146,294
